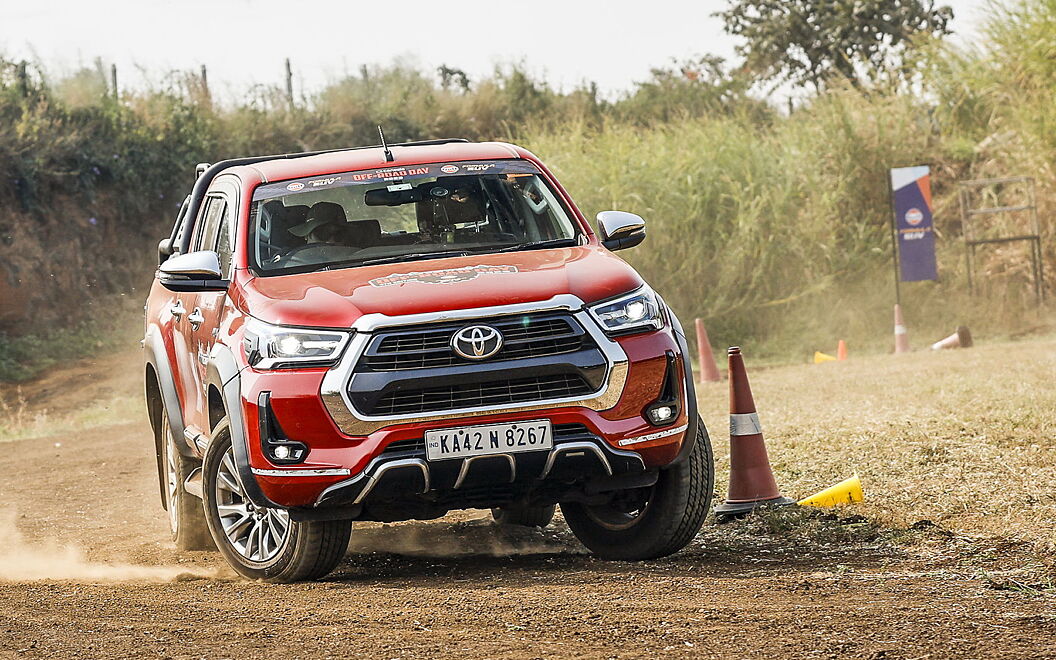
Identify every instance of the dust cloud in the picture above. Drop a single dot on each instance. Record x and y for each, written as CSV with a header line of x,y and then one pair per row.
x,y
477,537
21,561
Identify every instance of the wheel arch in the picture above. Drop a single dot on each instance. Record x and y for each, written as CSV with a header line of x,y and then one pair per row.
x,y
223,378
159,389
693,421
155,409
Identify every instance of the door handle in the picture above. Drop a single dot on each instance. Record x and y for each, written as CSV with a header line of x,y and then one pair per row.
x,y
177,309
196,318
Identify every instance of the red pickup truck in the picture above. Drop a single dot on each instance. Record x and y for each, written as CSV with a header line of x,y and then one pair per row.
x,y
391,333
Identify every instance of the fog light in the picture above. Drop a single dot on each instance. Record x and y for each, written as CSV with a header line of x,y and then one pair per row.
x,y
282,452
661,414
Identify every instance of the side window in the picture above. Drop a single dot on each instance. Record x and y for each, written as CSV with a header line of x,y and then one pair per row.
x,y
225,240
211,215
216,231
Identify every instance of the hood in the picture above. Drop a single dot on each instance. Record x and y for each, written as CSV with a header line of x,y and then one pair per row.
x,y
337,298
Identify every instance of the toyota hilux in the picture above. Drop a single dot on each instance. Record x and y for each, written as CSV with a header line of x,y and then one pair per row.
x,y
391,333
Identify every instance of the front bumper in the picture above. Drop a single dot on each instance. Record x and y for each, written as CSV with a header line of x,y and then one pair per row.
x,y
400,480
374,463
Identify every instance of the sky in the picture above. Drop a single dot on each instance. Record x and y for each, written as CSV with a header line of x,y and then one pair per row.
x,y
245,42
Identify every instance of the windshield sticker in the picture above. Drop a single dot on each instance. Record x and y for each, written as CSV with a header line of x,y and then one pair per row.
x,y
442,276
393,175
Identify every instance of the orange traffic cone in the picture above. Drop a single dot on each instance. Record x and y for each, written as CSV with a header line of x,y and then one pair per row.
x,y
901,334
751,480
709,371
960,339
841,350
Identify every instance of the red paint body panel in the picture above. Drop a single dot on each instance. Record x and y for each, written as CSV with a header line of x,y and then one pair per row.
x,y
338,298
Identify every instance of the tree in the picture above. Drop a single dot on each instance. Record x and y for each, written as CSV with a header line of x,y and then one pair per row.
x,y
449,76
701,86
812,41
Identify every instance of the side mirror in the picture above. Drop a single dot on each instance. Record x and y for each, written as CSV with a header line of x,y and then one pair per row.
x,y
165,250
620,230
194,271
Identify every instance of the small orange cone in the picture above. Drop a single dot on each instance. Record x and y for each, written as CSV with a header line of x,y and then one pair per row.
x,y
841,350
960,339
751,480
709,371
901,334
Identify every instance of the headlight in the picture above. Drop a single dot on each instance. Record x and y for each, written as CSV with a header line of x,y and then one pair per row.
x,y
273,346
635,312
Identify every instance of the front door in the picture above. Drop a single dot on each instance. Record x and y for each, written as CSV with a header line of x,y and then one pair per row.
x,y
205,309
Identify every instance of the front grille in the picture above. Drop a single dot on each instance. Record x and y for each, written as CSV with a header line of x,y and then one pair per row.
x,y
526,336
473,395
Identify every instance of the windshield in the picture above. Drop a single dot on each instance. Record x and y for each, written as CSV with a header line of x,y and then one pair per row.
x,y
403,214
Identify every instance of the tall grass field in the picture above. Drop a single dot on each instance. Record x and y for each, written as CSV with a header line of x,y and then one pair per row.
x,y
771,226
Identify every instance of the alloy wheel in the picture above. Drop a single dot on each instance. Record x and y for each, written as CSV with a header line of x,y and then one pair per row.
x,y
257,534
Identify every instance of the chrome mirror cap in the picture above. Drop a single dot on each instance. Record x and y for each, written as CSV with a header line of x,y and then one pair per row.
x,y
202,265
193,272
619,229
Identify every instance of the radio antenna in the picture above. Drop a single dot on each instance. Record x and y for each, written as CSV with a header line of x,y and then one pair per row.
x,y
388,154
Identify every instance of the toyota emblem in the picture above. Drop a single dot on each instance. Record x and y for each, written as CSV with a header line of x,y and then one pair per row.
x,y
477,342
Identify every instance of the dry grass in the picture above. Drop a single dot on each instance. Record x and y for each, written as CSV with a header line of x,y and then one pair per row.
x,y
18,422
964,438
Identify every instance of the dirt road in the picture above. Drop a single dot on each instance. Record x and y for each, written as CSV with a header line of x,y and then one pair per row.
x,y
790,585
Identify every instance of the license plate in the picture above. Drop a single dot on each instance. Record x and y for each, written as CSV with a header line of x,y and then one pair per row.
x,y
464,441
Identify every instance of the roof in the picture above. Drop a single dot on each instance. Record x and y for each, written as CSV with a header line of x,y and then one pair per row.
x,y
373,157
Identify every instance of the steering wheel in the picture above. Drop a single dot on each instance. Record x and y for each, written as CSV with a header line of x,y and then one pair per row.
x,y
303,255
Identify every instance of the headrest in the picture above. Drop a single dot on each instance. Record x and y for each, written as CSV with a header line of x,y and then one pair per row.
x,y
321,213
364,232
295,215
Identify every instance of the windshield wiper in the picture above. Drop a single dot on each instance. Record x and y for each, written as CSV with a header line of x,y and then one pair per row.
x,y
417,256
541,245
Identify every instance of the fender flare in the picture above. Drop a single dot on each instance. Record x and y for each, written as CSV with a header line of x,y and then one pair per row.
x,y
156,356
223,373
690,439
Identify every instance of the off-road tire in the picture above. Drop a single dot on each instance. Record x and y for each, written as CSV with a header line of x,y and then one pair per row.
x,y
188,528
677,505
310,549
524,516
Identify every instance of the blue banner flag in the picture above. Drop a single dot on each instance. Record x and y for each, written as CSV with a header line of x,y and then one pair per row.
x,y
911,195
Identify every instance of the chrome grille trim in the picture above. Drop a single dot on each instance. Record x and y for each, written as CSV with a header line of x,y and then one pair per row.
x,y
333,389
536,334
505,392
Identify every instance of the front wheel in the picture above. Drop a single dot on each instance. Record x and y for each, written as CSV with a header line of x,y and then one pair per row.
x,y
646,523
264,543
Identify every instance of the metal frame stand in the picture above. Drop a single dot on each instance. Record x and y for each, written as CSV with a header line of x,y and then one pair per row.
x,y
972,242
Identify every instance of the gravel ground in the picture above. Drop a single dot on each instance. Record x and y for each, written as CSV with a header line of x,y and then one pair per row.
x,y
923,570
